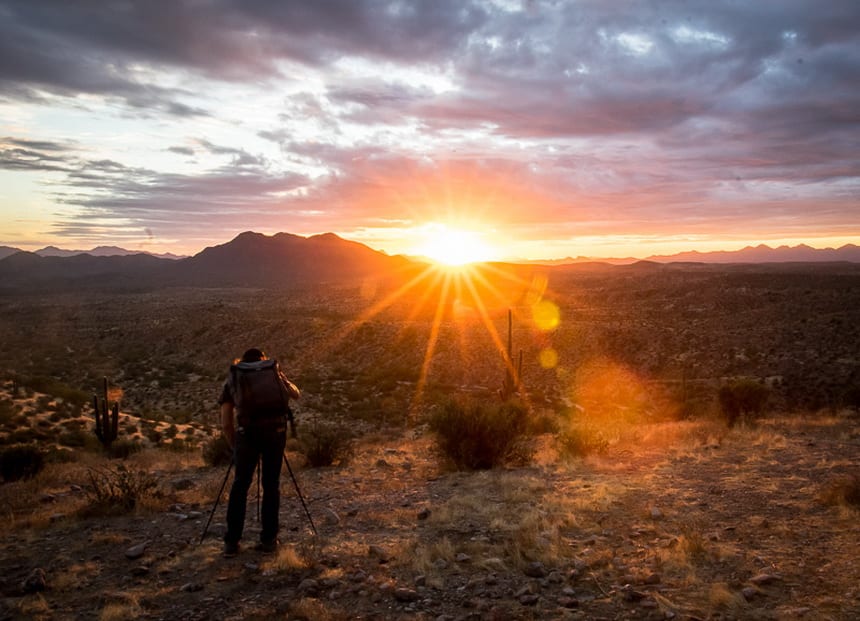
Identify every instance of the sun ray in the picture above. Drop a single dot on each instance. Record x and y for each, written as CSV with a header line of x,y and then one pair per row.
x,y
431,347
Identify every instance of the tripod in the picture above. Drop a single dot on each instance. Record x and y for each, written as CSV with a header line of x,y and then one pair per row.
x,y
224,484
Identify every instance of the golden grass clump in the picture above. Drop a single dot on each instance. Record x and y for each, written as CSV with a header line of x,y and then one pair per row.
x,y
287,559
311,609
842,492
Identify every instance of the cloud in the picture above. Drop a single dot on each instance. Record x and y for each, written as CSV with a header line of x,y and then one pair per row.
x,y
576,117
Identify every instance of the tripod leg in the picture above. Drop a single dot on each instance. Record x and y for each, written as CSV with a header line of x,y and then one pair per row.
x,y
259,474
299,492
217,499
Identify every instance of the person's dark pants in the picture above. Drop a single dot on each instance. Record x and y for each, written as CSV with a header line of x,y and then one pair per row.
x,y
253,444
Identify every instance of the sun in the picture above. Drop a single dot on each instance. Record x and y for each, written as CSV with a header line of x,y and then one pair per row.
x,y
454,247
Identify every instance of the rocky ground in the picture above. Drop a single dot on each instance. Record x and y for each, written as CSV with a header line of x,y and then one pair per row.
x,y
678,521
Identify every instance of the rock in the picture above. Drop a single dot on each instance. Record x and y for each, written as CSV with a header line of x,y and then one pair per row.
x,y
462,558
140,570
136,551
762,579
656,514
632,595
749,592
381,463
535,570
420,580
309,585
424,514
36,582
191,587
184,484
568,602
378,553
330,517
529,599
406,595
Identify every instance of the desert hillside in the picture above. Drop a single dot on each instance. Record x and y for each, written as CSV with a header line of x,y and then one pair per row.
x,y
624,491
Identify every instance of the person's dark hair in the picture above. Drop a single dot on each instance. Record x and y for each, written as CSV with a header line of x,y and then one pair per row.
x,y
253,355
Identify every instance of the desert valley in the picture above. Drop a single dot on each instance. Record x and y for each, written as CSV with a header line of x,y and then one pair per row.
x,y
625,492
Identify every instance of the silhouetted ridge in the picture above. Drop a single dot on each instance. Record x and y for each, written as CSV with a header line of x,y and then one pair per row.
x,y
283,259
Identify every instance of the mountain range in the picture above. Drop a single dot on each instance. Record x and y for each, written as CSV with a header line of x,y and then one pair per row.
x,y
287,260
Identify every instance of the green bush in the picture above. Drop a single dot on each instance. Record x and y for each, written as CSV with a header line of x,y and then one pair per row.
x,y
21,461
478,436
217,452
744,397
323,445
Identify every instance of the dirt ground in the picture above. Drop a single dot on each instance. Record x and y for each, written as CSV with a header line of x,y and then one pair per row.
x,y
678,521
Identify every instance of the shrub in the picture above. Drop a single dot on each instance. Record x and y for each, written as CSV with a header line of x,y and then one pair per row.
x,y
76,438
217,452
844,491
22,461
580,441
124,448
477,436
323,445
742,398
117,490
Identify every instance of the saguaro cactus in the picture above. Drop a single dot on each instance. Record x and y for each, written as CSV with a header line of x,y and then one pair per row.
x,y
106,421
510,385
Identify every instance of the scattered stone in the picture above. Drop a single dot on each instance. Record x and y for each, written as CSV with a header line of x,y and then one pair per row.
x,y
462,557
420,580
309,585
330,517
140,570
440,564
566,601
424,514
136,551
184,484
762,579
529,599
191,587
749,592
535,570
406,595
632,595
36,582
194,515
378,553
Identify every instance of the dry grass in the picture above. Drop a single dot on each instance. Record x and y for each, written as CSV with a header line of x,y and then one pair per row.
x,y
288,559
842,492
310,609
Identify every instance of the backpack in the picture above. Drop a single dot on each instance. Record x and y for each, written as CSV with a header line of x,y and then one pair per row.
x,y
259,391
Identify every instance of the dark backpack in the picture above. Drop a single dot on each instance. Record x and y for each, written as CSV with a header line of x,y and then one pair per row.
x,y
259,392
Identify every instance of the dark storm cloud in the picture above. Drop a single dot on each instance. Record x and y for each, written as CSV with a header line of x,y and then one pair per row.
x,y
658,106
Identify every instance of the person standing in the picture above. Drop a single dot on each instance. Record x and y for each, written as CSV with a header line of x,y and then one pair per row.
x,y
254,404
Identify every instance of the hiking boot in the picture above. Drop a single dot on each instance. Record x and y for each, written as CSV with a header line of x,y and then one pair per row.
x,y
267,547
231,549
